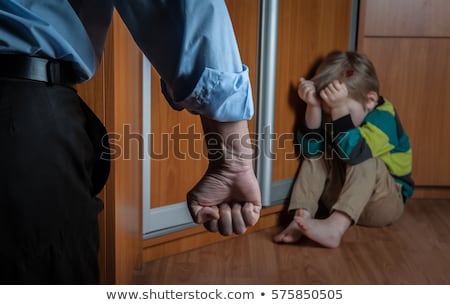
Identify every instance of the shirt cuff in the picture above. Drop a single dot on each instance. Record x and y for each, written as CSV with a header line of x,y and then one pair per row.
x,y
343,124
220,96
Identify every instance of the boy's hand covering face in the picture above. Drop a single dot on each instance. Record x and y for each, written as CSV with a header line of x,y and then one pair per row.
x,y
335,94
307,92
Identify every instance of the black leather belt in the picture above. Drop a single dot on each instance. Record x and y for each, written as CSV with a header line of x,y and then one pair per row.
x,y
49,71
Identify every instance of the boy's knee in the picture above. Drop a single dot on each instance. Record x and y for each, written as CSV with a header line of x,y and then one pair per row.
x,y
367,167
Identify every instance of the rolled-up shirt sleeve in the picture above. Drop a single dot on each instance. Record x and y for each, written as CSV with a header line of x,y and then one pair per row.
x,y
191,43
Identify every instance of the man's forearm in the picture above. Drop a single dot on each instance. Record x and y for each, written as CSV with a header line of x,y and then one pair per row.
x,y
228,142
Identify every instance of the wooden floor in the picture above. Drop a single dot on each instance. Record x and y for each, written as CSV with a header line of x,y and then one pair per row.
x,y
416,250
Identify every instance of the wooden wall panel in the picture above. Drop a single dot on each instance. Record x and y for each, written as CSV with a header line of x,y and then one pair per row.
x,y
416,77
308,30
174,175
407,18
124,89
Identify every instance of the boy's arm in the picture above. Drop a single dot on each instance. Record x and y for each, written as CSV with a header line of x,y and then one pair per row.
x,y
307,92
310,134
313,117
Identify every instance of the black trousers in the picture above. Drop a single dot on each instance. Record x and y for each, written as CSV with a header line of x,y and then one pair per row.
x,y
51,169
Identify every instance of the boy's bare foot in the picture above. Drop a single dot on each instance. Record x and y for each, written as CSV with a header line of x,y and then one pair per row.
x,y
327,232
292,233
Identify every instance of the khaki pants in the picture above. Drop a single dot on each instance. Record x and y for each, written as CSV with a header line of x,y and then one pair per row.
x,y
366,192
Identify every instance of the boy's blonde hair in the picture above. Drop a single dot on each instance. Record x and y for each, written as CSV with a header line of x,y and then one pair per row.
x,y
353,69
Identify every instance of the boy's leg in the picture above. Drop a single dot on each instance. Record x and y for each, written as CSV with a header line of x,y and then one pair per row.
x,y
351,188
363,189
306,192
327,232
369,194
309,185
386,203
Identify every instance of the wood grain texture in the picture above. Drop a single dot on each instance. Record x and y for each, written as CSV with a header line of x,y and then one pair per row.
x,y
407,18
412,251
416,77
431,192
308,30
127,171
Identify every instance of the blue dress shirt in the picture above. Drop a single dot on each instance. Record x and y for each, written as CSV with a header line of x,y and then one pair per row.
x,y
191,43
